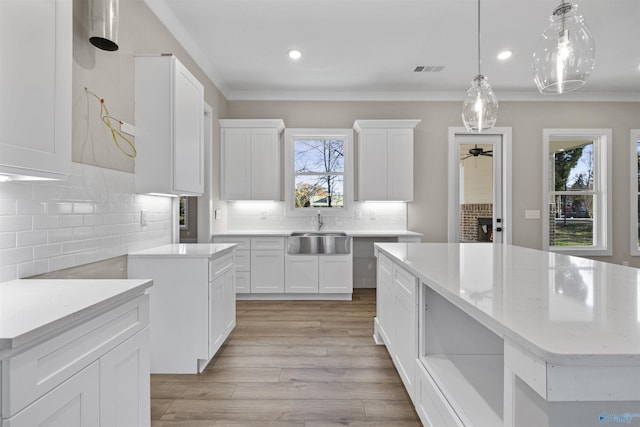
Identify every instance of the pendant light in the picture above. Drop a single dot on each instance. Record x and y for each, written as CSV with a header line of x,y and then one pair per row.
x,y
480,107
565,55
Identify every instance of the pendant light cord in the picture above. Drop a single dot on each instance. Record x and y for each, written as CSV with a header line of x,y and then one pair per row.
x,y
479,73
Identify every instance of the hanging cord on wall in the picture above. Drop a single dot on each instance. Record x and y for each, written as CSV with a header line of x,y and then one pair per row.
x,y
116,134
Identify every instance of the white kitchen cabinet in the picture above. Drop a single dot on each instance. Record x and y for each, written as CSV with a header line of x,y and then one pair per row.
x,y
335,274
267,265
250,159
301,274
385,159
85,363
242,261
74,403
169,113
190,303
397,318
36,49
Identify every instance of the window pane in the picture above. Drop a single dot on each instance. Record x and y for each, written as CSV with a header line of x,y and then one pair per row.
x,y
319,155
571,222
573,165
638,170
319,191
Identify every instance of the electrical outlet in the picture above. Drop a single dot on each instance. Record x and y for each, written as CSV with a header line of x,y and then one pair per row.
x,y
372,215
263,214
625,263
357,214
144,217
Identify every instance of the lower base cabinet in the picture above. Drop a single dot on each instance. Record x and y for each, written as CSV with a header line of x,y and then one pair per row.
x,y
96,374
323,274
397,318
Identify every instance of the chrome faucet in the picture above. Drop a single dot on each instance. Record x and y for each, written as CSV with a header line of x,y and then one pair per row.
x,y
320,221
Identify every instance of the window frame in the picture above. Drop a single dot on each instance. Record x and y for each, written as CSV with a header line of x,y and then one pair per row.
x,y
290,135
634,191
602,186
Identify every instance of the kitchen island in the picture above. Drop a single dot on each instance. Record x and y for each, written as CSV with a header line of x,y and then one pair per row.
x,y
491,334
193,302
74,352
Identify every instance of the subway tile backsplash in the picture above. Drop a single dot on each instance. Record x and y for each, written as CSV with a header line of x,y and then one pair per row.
x,y
95,215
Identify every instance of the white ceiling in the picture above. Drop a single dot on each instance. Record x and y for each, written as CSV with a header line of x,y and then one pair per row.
x,y
368,49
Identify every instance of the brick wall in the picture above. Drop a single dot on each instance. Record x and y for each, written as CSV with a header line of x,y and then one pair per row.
x,y
469,214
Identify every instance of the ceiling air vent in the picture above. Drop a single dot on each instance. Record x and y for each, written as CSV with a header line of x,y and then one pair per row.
x,y
428,68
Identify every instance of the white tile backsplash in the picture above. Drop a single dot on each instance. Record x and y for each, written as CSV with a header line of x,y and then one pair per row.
x,y
271,216
94,215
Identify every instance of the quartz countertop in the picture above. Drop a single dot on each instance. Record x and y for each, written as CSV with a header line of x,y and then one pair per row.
x,y
187,250
33,308
556,306
286,233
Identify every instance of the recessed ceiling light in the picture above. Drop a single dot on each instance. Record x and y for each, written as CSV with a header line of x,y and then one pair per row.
x,y
504,55
295,54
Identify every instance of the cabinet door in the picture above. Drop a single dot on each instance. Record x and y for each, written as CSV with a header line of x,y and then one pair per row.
x,y
405,350
400,160
229,302
74,403
267,272
385,301
301,274
188,147
372,164
243,282
236,164
36,51
335,274
265,164
124,383
216,320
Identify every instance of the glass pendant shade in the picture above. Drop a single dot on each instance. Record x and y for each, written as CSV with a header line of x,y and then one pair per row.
x,y
480,107
565,55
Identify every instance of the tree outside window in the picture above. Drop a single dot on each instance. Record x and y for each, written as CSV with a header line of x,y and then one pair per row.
x,y
319,173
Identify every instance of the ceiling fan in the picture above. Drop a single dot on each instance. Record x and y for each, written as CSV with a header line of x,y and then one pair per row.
x,y
477,151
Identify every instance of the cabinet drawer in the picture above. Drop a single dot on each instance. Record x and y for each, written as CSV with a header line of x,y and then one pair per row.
x,y
218,266
243,261
267,243
38,370
406,282
244,243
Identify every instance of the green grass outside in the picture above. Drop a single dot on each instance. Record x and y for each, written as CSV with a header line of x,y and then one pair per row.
x,y
573,234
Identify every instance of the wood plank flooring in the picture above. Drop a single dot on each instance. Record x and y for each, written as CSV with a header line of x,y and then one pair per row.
x,y
291,364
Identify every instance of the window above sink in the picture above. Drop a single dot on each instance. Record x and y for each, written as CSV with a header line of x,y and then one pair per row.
x,y
319,171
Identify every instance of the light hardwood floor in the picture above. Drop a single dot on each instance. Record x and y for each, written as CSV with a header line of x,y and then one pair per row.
x,y
291,364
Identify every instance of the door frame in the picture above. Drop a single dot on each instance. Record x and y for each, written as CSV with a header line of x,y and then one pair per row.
x,y
453,163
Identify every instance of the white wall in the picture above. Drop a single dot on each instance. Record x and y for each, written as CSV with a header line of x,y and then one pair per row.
x,y
95,215
428,212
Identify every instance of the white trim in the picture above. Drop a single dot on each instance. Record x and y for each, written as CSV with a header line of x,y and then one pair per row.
x,y
290,134
633,185
603,229
453,162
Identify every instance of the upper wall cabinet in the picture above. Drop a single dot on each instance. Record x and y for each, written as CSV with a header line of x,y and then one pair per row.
x,y
36,42
385,159
250,159
169,111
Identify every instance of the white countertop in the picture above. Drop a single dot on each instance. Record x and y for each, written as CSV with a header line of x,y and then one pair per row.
x,y
186,250
286,233
32,308
558,307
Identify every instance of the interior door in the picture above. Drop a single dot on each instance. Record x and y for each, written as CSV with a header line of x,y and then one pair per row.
x,y
476,187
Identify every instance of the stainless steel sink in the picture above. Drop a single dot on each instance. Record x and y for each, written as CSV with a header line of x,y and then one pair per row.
x,y
318,243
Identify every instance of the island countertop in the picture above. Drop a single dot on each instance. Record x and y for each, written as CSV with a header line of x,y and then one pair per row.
x,y
560,308
187,250
31,309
